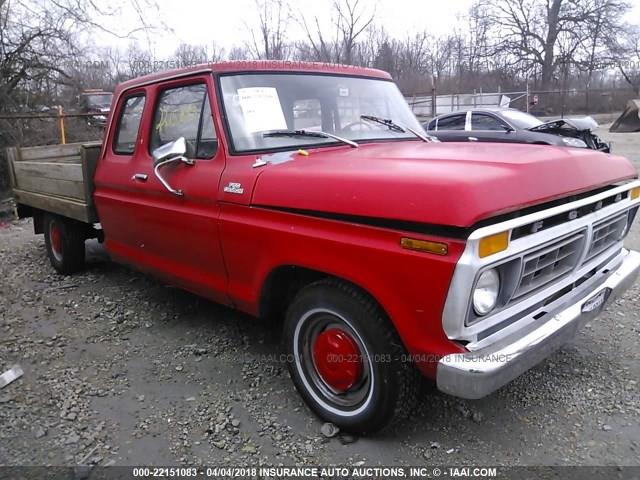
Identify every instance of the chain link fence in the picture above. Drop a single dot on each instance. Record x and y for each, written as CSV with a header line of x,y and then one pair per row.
x,y
551,103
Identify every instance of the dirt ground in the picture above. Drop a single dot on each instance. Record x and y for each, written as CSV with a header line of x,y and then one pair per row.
x,y
120,369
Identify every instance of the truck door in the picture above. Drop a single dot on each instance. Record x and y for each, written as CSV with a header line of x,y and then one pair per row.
x,y
174,236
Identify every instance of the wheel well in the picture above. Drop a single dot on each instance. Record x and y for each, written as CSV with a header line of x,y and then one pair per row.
x,y
281,285
284,282
38,215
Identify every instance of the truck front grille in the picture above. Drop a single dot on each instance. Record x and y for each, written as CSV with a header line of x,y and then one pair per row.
x,y
548,264
605,234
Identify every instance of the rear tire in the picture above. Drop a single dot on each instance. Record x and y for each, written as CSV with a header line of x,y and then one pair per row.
x,y
64,240
328,327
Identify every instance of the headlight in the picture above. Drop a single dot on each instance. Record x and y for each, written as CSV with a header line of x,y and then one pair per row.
x,y
485,295
574,142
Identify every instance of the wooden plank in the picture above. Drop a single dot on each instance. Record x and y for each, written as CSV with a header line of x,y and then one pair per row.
x,y
52,170
89,155
65,159
12,156
50,151
67,207
64,188
54,151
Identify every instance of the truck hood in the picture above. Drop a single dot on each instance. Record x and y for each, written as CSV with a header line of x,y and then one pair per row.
x,y
452,184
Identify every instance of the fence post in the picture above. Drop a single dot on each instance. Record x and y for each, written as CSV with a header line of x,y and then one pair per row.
x,y
433,96
63,135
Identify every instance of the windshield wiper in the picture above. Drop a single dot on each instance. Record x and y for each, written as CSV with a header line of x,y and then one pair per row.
x,y
387,122
309,133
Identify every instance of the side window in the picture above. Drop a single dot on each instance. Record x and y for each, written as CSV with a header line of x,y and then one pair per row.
x,y
128,125
455,122
480,121
307,114
185,112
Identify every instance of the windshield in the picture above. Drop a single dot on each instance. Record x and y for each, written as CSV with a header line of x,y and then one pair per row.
x,y
520,120
100,100
258,103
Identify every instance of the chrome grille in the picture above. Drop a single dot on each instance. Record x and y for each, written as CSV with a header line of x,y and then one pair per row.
x,y
605,234
548,264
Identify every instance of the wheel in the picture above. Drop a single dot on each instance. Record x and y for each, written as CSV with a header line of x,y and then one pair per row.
x,y
64,241
346,359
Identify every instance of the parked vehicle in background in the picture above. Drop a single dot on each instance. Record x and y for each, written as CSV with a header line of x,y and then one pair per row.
x,y
97,102
508,125
386,254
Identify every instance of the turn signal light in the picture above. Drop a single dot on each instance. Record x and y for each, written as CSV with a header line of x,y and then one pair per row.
x,y
424,246
634,193
493,244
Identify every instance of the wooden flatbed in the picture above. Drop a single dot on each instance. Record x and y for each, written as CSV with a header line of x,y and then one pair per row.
x,y
56,178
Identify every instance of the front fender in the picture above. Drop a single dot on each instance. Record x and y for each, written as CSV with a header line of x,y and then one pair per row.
x,y
410,286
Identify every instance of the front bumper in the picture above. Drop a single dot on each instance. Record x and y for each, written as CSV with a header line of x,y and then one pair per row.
x,y
478,373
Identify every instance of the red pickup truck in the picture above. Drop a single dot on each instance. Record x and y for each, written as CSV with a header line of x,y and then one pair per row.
x,y
309,192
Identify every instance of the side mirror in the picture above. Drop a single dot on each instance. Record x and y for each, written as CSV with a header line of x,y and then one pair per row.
x,y
170,150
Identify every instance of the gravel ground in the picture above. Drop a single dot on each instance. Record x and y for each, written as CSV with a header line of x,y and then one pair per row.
x,y
120,369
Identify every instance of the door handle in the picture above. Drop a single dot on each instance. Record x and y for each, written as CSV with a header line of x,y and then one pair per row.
x,y
141,177
473,139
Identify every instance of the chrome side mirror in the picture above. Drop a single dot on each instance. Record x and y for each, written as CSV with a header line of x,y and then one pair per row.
x,y
170,150
169,153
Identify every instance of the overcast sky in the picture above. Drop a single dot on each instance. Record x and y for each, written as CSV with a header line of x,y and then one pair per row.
x,y
225,21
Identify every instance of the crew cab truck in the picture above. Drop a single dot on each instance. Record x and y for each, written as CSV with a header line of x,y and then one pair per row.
x,y
309,192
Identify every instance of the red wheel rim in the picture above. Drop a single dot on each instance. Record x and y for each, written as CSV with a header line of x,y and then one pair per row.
x,y
55,235
337,359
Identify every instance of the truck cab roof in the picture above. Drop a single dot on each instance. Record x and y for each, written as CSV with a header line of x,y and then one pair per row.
x,y
244,66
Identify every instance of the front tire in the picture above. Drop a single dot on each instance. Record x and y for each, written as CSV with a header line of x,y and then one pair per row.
x,y
64,241
346,359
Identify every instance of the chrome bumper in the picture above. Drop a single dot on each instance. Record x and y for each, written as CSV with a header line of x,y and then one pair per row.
x,y
478,373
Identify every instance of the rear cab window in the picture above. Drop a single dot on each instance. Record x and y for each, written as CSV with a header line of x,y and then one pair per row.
x,y
185,111
128,124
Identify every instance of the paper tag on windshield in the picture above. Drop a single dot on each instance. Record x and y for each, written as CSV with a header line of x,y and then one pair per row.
x,y
261,109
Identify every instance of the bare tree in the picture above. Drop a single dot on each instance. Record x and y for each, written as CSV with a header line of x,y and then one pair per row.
x,y
187,55
138,61
269,41
320,47
532,31
215,52
626,52
239,53
351,18
599,33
